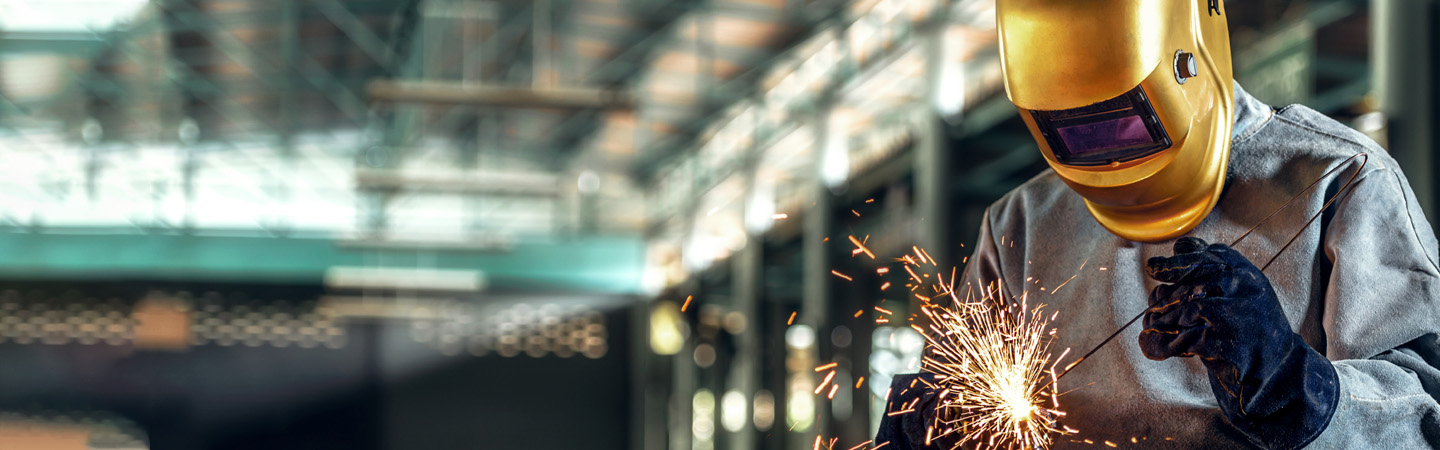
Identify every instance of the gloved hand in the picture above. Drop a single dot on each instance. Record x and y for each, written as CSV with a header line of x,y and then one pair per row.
x,y
1270,384
907,430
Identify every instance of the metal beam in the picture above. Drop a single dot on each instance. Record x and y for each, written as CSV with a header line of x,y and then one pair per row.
x,y
355,29
460,93
493,182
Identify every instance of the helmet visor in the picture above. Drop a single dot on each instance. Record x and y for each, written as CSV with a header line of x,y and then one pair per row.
x,y
1120,129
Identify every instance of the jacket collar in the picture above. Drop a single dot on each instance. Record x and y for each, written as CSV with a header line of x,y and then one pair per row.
x,y
1250,113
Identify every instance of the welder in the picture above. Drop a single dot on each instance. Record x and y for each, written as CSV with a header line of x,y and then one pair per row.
x,y
1158,161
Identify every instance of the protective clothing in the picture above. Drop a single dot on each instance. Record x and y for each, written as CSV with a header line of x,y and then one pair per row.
x,y
1360,286
908,431
1221,308
1135,116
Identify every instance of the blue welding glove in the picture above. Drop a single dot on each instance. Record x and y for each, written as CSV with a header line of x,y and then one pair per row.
x,y
906,430
1270,384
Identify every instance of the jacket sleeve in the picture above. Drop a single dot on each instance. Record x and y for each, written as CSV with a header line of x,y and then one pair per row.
x,y
1382,318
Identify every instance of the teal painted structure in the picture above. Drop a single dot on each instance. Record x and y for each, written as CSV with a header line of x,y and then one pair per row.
x,y
608,264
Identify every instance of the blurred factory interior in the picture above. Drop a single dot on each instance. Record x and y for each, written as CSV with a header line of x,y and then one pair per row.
x,y
460,224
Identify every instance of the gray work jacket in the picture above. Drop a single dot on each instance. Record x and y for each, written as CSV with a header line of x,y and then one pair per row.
x,y
1361,285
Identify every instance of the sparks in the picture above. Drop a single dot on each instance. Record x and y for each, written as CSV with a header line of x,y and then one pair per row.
x,y
821,387
827,366
993,365
780,216
860,247
687,302
841,275
792,318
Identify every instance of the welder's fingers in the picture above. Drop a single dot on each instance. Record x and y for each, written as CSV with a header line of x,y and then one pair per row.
x,y
1185,268
1188,244
1181,308
1163,343
1175,325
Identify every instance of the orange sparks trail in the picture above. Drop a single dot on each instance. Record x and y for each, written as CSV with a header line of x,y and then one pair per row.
x,y
687,302
780,216
862,444
841,275
827,366
833,388
882,270
884,311
885,286
861,247
858,313
792,318
993,361
859,382
856,213
821,387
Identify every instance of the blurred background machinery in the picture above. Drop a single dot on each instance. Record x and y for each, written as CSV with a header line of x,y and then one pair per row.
x,y
436,224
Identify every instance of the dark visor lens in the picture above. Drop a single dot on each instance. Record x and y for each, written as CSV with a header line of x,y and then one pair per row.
x,y
1105,135
1120,129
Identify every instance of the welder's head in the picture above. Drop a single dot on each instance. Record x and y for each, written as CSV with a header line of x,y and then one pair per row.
x,y
1131,102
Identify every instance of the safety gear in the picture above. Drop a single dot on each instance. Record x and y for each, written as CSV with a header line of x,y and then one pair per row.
x,y
1270,384
1130,102
914,398
1362,284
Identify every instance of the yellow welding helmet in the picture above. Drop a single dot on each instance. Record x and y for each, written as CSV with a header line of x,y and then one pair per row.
x,y
1131,102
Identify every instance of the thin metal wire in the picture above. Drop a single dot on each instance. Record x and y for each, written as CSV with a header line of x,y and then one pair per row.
x,y
1345,189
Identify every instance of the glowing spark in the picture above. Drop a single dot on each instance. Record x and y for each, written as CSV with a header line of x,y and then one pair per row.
x,y
861,247
833,388
792,318
859,382
882,270
884,311
828,377
841,275
858,312
885,286
869,200
779,216
687,302
994,371
1111,444
862,444
856,213
827,366
881,445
